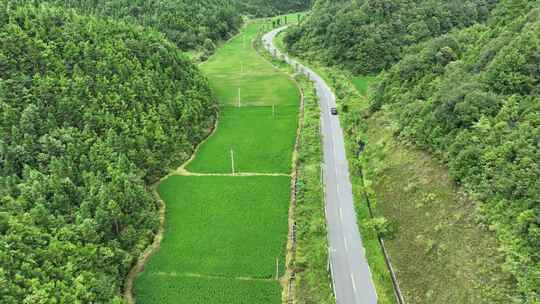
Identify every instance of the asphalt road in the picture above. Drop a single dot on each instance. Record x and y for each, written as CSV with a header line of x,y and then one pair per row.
x,y
350,271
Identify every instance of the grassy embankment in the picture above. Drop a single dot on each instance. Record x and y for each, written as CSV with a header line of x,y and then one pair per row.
x,y
224,234
439,252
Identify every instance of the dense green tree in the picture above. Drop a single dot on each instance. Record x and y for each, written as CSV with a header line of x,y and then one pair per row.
x,y
371,35
186,23
472,98
265,8
92,112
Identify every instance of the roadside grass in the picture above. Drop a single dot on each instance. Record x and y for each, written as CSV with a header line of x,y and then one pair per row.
x,y
236,69
161,288
262,139
313,283
438,250
440,253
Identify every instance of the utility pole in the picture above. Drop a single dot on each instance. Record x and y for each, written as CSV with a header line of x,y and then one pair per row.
x,y
322,174
277,269
239,98
232,162
274,111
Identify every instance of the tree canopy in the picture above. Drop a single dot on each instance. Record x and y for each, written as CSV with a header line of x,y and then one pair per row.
x,y
473,99
368,36
92,112
264,8
184,22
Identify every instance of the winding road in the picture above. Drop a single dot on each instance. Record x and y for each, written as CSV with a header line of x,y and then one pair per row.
x,y
351,276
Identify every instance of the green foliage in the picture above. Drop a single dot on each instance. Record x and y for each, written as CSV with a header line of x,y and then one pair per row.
x,y
185,23
92,112
265,8
472,98
371,35
382,226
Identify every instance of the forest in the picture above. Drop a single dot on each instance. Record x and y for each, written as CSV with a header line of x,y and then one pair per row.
x,y
186,23
370,36
93,112
462,83
265,8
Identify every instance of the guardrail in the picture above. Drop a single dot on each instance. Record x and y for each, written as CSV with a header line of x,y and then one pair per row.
x,y
397,291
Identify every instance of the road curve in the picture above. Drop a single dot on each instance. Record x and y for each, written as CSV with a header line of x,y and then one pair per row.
x,y
351,276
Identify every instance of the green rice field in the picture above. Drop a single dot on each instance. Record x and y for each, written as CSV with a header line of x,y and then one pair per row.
x,y
202,290
262,140
237,70
225,236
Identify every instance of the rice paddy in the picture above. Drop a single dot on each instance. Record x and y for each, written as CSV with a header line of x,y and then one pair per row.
x,y
225,236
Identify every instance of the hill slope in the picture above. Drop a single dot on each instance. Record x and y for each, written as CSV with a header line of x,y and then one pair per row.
x,y
473,99
91,112
186,23
368,36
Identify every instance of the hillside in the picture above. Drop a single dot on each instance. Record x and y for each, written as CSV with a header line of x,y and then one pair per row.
x,y
92,112
265,8
472,98
371,35
184,22
467,93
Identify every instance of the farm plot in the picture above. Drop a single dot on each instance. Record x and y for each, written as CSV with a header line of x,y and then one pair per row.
x,y
261,138
238,75
223,226
166,288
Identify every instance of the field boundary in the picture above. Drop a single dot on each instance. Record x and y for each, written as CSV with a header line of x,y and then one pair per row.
x,y
288,279
183,172
148,252
217,277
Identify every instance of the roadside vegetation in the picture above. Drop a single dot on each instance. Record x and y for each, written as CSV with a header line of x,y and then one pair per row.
x,y
427,222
